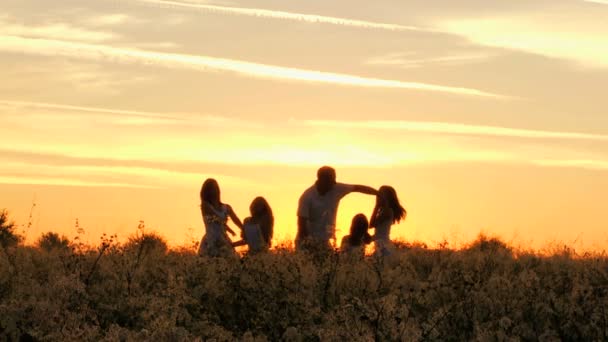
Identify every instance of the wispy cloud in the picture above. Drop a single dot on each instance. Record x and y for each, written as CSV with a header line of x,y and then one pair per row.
x,y
458,129
603,2
64,181
49,47
21,108
55,31
111,19
23,167
122,113
571,40
265,13
402,60
577,163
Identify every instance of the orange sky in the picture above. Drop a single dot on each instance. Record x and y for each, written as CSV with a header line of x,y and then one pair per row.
x,y
485,116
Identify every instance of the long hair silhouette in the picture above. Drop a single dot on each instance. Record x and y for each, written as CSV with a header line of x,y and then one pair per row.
x,y
261,212
358,231
399,212
210,193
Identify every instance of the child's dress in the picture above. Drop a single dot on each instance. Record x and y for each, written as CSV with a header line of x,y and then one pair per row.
x,y
216,242
382,239
253,237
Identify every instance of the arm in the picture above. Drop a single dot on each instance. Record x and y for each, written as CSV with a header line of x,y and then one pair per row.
x,y
302,227
303,214
239,243
229,230
364,189
235,218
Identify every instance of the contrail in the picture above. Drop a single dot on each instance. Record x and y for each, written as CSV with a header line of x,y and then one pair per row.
x,y
456,128
110,111
265,13
167,118
49,47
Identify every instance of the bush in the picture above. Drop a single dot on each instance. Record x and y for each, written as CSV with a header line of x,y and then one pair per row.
x,y
147,243
53,242
8,236
128,292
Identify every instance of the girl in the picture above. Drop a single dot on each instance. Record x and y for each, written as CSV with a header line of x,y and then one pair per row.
x,y
216,242
388,211
259,228
359,237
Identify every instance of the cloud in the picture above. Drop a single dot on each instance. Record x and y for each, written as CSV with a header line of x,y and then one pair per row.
x,y
110,111
49,47
402,60
66,181
25,167
111,19
578,41
265,13
574,163
602,2
458,129
55,31
23,110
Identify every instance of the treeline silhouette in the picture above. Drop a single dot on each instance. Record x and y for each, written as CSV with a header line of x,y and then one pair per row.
x,y
144,290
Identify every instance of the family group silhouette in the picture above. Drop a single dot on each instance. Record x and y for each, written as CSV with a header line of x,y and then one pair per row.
x,y
317,212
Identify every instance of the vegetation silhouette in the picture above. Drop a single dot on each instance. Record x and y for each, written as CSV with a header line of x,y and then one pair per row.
x,y
144,290
50,242
8,236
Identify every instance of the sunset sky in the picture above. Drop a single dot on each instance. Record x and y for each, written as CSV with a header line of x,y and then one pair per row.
x,y
486,116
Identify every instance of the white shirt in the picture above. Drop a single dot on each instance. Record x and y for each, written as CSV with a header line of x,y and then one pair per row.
x,y
321,211
253,237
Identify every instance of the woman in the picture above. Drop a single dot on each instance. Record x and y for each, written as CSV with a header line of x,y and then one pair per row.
x,y
354,243
388,211
216,242
259,228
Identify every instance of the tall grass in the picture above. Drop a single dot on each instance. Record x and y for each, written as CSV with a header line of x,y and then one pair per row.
x,y
143,290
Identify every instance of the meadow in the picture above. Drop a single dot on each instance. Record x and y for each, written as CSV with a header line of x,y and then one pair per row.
x,y
62,289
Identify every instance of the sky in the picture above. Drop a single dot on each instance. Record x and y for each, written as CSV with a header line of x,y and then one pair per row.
x,y
486,116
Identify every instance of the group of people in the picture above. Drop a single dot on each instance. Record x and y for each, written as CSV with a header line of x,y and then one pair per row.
x,y
317,212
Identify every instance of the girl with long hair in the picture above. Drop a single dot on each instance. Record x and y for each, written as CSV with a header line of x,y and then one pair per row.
x,y
216,242
358,236
258,229
387,212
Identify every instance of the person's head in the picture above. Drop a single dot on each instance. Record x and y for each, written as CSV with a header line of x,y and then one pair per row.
x,y
259,207
262,214
358,230
210,191
326,179
387,197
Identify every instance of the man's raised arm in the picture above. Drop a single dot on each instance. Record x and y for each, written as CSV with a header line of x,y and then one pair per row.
x,y
364,189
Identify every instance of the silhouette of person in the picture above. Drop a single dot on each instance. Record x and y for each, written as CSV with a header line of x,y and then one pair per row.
x,y
216,242
258,229
354,243
318,206
387,211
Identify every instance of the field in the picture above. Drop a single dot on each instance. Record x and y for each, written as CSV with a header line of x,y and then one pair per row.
x,y
142,290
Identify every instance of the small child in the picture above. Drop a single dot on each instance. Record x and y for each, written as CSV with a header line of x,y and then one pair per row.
x,y
258,229
359,237
388,211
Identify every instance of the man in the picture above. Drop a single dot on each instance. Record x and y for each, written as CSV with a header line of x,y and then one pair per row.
x,y
318,206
